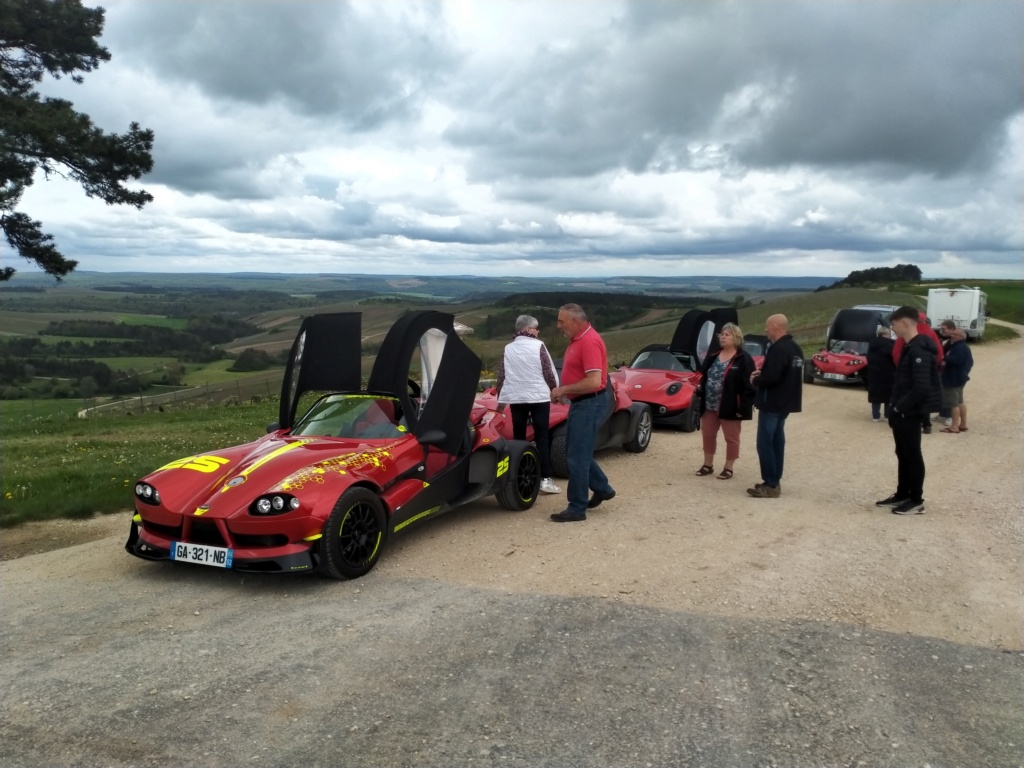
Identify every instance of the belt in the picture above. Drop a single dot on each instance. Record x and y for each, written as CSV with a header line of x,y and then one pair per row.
x,y
587,396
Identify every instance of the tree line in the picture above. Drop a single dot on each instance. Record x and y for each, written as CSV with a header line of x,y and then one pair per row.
x,y
211,329
869,278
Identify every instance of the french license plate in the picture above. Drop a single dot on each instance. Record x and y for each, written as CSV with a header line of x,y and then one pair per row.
x,y
838,376
218,557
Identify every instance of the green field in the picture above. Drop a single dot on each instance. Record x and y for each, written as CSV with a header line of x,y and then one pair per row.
x,y
56,465
177,323
140,364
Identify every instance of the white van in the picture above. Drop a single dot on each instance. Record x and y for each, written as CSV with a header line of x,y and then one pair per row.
x,y
964,306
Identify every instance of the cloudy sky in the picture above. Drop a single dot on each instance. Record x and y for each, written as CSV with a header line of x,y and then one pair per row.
x,y
585,137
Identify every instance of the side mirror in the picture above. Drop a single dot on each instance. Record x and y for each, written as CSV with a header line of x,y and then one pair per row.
x,y
273,427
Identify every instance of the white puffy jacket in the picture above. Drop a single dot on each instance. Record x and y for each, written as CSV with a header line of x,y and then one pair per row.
x,y
524,375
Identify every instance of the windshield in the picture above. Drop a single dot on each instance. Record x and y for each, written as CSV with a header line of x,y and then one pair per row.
x,y
753,348
849,347
363,417
663,360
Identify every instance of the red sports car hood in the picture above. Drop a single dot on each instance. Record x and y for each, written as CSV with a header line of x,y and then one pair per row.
x,y
227,481
650,380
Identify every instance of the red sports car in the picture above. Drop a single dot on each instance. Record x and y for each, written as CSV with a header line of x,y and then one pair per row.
x,y
843,360
325,491
666,376
628,425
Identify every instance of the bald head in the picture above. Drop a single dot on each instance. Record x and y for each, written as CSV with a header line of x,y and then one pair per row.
x,y
775,327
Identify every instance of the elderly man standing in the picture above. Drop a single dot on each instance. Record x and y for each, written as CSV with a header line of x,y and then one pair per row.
x,y
584,375
779,386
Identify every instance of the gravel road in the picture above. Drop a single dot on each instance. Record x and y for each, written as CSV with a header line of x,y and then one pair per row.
x,y
683,624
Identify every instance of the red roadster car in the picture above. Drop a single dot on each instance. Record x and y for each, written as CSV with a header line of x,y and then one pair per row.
x,y
325,491
843,360
628,425
666,376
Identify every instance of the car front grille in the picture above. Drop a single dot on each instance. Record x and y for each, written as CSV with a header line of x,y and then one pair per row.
x,y
206,532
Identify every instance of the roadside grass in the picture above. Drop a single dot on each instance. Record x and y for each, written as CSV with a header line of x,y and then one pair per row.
x,y
995,333
55,466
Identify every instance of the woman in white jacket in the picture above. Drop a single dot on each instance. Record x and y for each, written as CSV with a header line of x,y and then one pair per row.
x,y
526,376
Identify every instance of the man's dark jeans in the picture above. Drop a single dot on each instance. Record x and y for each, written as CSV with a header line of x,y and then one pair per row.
x,y
771,445
906,433
585,474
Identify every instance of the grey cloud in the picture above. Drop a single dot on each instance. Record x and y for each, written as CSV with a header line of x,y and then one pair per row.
x,y
322,58
915,86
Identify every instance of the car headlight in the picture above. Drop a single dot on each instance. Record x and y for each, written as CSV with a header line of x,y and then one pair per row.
x,y
855,362
821,358
147,494
274,504
672,388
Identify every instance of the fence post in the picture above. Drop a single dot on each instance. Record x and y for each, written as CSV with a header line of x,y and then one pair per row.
x,y
238,389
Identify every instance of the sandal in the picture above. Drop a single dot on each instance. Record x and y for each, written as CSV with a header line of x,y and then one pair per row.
x,y
963,429
951,431
725,474
705,470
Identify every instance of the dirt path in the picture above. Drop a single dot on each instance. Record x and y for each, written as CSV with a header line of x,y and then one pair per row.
x,y
674,541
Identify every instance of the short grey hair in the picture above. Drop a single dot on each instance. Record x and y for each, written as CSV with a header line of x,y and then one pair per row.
x,y
525,322
574,310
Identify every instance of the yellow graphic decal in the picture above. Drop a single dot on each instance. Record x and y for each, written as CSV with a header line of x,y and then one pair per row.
x,y
315,473
502,467
198,463
421,515
314,537
201,510
274,454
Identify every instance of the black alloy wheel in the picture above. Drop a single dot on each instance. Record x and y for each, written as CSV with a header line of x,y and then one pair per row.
x,y
355,534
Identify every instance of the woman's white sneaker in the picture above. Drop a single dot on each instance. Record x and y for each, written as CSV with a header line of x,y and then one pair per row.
x,y
547,485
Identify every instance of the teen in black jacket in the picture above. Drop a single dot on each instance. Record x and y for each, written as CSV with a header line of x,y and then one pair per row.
x,y
915,393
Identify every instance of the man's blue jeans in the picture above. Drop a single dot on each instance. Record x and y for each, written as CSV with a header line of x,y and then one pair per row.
x,y
580,436
771,445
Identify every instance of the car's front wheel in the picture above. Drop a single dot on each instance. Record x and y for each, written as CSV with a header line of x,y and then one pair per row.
x,y
691,418
644,426
354,535
808,372
522,481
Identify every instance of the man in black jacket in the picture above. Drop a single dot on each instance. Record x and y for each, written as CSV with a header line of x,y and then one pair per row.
x,y
915,393
779,386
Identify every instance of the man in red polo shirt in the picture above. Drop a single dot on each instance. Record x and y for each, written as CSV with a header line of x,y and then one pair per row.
x,y
584,375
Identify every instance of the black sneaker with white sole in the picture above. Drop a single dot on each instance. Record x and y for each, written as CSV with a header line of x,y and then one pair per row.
x,y
909,507
892,501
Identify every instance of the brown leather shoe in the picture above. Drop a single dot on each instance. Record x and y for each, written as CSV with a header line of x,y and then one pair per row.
x,y
765,491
